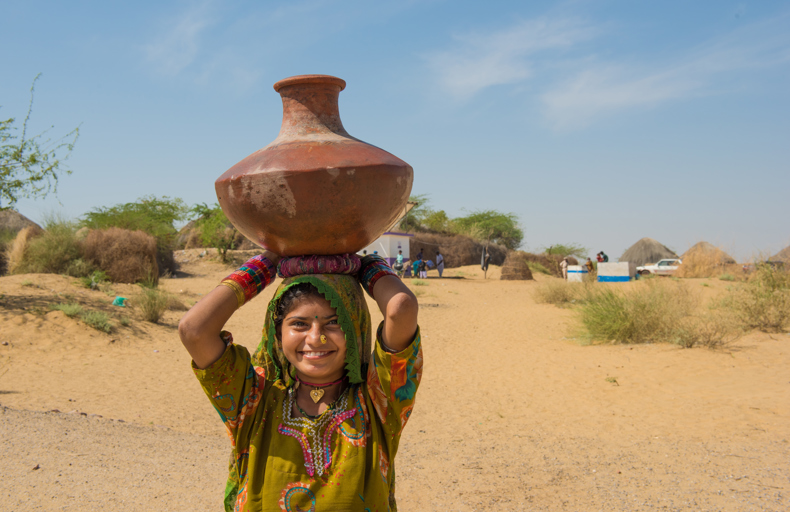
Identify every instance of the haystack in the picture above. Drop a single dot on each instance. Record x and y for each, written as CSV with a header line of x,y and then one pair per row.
x,y
709,252
126,256
457,250
515,267
647,251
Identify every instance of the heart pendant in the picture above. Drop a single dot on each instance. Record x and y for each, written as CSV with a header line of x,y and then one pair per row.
x,y
316,395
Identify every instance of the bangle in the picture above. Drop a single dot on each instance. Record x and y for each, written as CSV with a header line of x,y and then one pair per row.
x,y
251,278
374,267
301,265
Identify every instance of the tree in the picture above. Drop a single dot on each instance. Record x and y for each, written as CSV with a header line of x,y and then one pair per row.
x,y
566,250
491,226
215,229
154,215
30,166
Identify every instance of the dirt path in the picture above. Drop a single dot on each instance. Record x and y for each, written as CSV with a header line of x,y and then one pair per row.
x,y
511,414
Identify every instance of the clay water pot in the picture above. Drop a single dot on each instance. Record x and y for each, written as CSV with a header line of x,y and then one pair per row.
x,y
315,189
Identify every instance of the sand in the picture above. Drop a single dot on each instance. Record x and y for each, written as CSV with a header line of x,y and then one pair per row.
x,y
512,414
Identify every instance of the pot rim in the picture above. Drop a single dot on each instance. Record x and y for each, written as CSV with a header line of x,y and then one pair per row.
x,y
310,79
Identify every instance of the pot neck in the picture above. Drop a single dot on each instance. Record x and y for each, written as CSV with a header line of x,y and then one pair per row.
x,y
310,109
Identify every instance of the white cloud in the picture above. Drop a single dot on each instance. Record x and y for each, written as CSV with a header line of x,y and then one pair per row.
x,y
178,46
601,89
481,60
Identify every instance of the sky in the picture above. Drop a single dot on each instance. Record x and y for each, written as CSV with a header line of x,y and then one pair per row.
x,y
595,122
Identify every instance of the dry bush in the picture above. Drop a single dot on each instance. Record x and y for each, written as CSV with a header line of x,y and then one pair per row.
x,y
763,302
176,304
126,256
658,311
458,250
515,268
55,250
152,304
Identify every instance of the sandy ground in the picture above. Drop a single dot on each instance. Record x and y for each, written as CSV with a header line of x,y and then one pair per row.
x,y
512,414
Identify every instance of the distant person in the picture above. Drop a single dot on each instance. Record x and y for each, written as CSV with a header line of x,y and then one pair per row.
x,y
398,267
365,252
439,263
564,268
590,266
419,255
415,267
423,266
599,257
605,257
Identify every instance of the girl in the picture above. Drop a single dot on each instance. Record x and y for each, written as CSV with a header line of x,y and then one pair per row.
x,y
314,421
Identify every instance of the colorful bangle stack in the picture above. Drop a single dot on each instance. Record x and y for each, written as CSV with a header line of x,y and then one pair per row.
x,y
301,265
374,267
252,277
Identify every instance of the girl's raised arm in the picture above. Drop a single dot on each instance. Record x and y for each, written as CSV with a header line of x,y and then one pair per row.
x,y
200,327
399,307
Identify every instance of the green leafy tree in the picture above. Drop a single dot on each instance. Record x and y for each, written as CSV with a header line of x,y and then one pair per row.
x,y
491,226
566,250
215,229
414,219
30,166
154,215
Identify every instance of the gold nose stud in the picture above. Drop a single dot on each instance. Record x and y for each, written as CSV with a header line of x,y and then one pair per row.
x,y
323,340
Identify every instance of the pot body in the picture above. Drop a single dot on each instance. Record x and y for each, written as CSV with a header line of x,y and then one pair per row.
x,y
314,189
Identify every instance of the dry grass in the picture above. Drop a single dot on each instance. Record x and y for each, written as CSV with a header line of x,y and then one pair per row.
x,y
126,256
152,304
704,263
657,311
559,292
763,302
15,251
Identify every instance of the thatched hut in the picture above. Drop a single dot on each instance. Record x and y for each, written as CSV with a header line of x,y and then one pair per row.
x,y
709,252
515,267
647,251
783,255
14,222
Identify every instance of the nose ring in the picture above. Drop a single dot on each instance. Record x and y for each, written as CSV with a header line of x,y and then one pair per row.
x,y
323,339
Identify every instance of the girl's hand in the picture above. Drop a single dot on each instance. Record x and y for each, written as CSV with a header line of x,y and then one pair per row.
x,y
200,327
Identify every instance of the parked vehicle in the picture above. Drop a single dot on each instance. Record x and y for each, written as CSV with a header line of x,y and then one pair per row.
x,y
662,268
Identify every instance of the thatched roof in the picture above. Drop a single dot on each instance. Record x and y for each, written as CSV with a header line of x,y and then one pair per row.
x,y
11,220
515,267
710,251
783,255
647,251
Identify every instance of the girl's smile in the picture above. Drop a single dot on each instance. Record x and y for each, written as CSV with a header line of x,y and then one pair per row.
x,y
313,341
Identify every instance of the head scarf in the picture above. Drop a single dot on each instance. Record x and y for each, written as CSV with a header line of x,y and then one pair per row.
x,y
344,294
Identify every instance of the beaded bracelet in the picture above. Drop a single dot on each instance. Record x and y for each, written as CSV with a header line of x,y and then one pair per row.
x,y
251,278
374,267
301,265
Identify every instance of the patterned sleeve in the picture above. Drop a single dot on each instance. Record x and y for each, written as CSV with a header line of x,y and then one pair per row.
x,y
393,379
234,388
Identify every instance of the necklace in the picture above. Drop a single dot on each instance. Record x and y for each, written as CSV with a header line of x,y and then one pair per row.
x,y
329,408
317,393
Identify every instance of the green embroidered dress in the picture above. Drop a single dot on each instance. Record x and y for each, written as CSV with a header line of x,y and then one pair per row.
x,y
339,461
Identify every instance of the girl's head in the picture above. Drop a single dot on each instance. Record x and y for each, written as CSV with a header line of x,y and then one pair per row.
x,y
291,343
310,335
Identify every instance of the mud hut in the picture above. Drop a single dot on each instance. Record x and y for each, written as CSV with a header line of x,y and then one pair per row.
x,y
647,251
515,267
709,252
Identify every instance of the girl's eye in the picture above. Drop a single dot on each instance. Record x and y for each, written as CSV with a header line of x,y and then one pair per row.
x,y
332,322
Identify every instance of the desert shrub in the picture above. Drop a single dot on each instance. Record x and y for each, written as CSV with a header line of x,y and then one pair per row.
x,y
417,282
727,277
93,280
98,320
658,311
125,256
70,310
763,302
153,215
558,292
152,303
176,304
51,252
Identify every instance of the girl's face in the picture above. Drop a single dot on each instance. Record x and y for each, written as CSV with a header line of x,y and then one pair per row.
x,y
300,334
